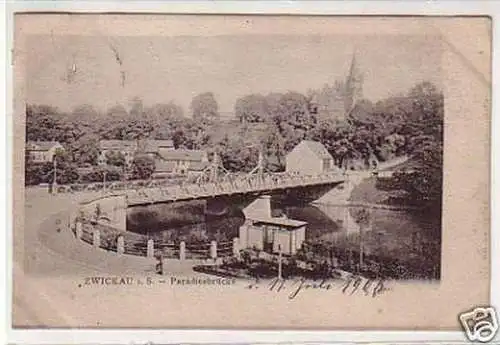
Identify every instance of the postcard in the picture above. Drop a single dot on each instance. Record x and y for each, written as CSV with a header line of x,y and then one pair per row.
x,y
250,172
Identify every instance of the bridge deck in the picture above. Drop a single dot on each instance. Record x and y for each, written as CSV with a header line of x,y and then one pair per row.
x,y
241,186
253,184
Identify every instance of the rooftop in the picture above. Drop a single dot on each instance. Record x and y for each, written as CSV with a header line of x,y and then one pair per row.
x,y
198,166
317,148
118,144
182,155
152,146
41,145
147,146
286,222
163,166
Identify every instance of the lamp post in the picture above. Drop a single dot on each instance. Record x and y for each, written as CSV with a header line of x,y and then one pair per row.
x,y
54,184
280,263
104,181
125,181
360,248
368,222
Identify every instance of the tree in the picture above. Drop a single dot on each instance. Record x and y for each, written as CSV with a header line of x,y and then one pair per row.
x,y
84,112
251,108
117,112
274,150
187,134
115,158
143,167
204,108
136,107
328,102
166,112
85,150
291,117
235,155
97,175
428,109
66,170
32,171
421,125
425,184
42,123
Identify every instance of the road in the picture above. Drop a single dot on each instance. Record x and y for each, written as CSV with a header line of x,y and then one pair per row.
x,y
44,255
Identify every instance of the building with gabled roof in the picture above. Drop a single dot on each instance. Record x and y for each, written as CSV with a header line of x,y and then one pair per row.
x,y
129,148
118,145
183,155
43,151
183,160
153,146
310,158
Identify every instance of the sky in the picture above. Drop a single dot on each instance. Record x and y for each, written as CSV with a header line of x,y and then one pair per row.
x,y
176,68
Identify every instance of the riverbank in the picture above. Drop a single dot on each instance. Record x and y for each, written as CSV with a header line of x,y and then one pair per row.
x,y
404,240
366,194
370,205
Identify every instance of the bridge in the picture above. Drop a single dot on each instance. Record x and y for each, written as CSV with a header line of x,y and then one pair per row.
x,y
221,191
239,185
215,181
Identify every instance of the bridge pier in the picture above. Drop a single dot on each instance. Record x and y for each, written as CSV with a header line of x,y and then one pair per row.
x,y
236,247
120,245
259,208
150,248
213,250
340,195
78,229
96,238
182,251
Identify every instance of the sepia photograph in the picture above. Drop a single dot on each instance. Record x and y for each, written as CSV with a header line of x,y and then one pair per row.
x,y
234,161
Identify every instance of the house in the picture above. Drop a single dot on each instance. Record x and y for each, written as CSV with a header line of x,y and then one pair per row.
x,y
164,144
310,158
273,234
163,169
127,148
152,147
183,161
43,151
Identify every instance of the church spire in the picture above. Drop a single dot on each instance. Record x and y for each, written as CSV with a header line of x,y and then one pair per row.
x,y
353,85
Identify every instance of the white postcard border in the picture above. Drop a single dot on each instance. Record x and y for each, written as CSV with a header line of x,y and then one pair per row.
x,y
491,8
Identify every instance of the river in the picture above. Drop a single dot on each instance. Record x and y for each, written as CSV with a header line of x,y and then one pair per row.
x,y
389,236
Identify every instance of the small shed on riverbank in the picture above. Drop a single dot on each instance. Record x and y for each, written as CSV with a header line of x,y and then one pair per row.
x,y
272,234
